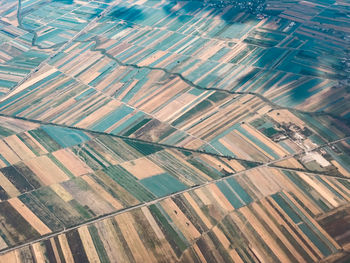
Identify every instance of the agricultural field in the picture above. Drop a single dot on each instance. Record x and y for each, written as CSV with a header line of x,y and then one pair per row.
x,y
62,177
247,217
31,30
174,131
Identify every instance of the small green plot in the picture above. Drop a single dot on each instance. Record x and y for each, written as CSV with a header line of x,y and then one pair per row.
x,y
144,148
4,132
163,184
229,194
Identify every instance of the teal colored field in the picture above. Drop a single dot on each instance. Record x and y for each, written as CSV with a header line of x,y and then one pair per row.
x,y
163,184
64,136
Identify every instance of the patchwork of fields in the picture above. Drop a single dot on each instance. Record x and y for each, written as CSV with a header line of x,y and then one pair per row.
x,y
33,30
174,131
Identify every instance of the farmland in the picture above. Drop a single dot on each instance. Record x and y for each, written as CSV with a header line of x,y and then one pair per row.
x,y
32,30
174,131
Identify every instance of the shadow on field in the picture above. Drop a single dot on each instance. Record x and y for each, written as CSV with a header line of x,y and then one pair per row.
x,y
129,14
226,9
